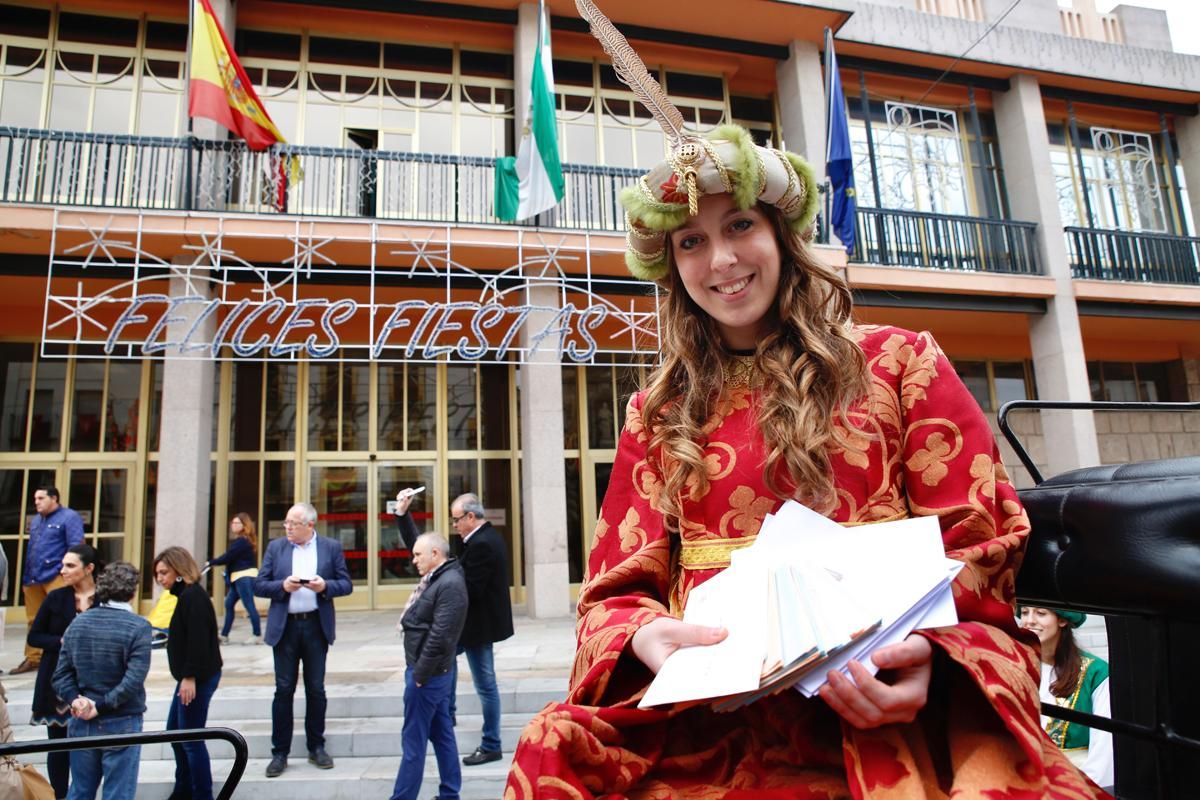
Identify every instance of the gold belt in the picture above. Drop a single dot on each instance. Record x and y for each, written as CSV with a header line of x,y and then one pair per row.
x,y
715,553
711,553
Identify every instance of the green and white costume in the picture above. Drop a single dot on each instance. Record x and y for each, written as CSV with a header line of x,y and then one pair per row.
x,y
1088,748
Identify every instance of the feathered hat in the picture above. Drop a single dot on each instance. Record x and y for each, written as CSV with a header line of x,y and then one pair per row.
x,y
727,160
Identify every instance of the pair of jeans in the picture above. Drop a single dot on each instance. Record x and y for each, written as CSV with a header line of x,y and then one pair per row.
x,y
242,589
483,675
117,767
193,770
427,719
303,642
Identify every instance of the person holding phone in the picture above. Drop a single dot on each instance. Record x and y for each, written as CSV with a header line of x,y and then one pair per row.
x,y
301,574
409,531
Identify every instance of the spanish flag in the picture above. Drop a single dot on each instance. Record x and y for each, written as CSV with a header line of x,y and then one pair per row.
x,y
219,88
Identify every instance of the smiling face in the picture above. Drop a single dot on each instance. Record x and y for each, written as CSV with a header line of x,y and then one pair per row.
x,y
728,261
236,528
1045,623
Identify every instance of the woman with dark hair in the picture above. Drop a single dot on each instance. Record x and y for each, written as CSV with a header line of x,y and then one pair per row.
x,y
240,562
80,566
1073,678
194,656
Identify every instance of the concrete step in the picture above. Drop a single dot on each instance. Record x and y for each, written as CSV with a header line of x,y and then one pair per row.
x,y
358,701
350,779
359,738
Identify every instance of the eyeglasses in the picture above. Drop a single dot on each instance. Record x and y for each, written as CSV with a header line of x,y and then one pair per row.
x,y
457,519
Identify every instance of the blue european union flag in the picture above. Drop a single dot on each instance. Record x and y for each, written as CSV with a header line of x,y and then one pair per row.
x,y
839,161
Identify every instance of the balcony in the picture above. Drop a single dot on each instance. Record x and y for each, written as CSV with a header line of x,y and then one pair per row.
x,y
1112,255
896,237
188,174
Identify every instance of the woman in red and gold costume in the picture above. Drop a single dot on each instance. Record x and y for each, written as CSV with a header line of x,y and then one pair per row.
x,y
766,392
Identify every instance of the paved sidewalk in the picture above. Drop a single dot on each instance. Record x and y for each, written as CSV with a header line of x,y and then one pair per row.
x,y
368,651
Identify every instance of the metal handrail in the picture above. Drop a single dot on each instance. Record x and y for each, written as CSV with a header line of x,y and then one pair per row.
x,y
241,752
907,238
1109,254
1064,405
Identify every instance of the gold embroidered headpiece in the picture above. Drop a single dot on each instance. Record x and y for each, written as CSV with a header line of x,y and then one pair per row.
x,y
727,160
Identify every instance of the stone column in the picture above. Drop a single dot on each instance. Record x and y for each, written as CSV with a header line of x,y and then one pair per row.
x,y
185,437
1057,342
801,85
543,482
1187,136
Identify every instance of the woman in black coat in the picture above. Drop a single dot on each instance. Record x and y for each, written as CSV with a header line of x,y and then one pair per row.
x,y
56,613
194,656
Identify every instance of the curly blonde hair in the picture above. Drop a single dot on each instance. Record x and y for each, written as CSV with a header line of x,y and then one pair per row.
x,y
809,368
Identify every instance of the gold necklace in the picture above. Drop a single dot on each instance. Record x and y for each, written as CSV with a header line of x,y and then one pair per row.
x,y
738,371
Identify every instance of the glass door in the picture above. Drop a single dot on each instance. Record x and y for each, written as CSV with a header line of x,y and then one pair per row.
x,y
341,494
393,562
355,504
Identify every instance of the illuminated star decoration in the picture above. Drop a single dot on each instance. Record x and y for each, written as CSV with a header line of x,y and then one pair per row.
x,y
210,251
77,307
422,253
302,259
99,243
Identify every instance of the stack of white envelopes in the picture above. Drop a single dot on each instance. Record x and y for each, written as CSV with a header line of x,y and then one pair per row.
x,y
807,597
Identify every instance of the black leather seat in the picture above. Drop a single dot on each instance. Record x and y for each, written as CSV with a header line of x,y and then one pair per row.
x,y
1125,541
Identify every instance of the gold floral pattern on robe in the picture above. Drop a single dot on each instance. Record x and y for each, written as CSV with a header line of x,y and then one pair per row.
x,y
921,447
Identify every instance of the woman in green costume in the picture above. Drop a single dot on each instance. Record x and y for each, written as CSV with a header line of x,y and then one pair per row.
x,y
1073,678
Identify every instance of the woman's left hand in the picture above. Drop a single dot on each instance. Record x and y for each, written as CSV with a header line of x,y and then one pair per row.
x,y
187,690
867,702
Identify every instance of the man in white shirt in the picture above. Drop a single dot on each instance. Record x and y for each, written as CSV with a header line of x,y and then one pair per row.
x,y
301,573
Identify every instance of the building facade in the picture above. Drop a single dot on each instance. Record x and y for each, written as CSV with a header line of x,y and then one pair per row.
x,y
190,329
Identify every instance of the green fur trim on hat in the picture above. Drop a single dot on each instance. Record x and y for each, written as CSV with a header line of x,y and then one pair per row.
x,y
744,169
655,217
643,271
812,199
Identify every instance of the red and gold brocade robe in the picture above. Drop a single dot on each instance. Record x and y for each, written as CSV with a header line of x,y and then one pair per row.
x,y
927,450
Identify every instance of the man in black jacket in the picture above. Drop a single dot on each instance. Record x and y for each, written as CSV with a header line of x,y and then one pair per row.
x,y
431,624
489,616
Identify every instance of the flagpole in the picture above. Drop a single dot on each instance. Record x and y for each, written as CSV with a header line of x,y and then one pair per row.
x,y
187,98
828,204
828,88
187,64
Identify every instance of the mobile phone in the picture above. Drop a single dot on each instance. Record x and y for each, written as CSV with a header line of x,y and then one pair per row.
x,y
304,580
411,492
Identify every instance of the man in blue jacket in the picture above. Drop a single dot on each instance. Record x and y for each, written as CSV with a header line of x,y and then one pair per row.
x,y
301,573
53,530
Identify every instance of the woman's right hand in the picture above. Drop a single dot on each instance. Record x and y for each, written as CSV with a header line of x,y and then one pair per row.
x,y
656,640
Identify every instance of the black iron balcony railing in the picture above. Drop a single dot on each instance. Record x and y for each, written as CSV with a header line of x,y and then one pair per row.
x,y
1111,255
903,238
144,172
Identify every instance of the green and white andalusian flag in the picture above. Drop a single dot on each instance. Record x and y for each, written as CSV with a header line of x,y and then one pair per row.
x,y
533,181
